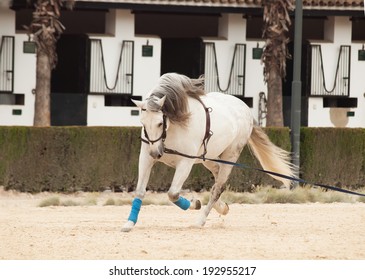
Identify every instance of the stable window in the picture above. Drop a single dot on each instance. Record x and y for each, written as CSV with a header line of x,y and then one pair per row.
x,y
358,29
176,25
75,21
313,28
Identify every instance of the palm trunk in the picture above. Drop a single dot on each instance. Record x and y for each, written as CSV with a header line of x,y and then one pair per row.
x,y
42,109
276,25
274,102
46,29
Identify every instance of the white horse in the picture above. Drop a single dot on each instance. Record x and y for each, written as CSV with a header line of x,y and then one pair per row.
x,y
178,118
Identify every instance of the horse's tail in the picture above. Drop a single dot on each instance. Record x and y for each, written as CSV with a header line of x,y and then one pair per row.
x,y
271,157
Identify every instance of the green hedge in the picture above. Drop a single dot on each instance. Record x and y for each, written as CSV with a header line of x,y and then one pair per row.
x,y
334,156
68,159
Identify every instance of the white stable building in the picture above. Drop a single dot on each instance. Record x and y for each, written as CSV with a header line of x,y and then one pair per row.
x,y
115,50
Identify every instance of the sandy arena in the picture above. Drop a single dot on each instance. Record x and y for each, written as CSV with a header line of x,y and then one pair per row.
x,y
262,231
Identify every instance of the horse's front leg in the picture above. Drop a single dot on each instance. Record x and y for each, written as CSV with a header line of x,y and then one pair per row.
x,y
181,174
144,171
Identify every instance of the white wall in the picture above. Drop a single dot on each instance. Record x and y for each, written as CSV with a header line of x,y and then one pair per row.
x,y
338,32
254,78
232,30
146,72
24,75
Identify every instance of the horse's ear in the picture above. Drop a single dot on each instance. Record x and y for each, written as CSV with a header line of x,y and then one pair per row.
x,y
138,103
161,101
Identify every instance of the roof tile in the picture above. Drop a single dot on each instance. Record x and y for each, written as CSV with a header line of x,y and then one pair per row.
x,y
309,4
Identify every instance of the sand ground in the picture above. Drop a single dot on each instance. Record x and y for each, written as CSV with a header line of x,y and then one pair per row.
x,y
256,232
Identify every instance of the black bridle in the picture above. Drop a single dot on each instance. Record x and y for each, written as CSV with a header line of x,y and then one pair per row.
x,y
163,134
208,134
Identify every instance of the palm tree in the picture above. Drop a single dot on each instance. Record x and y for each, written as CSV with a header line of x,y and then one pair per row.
x,y
45,29
276,25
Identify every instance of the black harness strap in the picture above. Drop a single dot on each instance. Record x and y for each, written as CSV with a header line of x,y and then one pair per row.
x,y
241,165
207,135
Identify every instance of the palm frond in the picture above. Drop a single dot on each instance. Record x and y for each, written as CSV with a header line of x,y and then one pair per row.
x,y
46,28
276,26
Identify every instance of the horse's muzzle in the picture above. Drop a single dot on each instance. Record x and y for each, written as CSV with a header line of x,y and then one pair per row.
x,y
156,152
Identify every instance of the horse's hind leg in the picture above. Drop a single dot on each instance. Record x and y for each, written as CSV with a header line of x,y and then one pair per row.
x,y
216,192
220,206
230,154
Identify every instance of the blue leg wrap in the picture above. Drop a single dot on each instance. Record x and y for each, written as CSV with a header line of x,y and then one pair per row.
x,y
183,203
136,206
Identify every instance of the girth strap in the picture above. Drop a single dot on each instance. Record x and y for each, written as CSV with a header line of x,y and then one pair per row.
x,y
208,132
207,135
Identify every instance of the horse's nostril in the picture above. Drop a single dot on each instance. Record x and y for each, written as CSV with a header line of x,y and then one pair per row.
x,y
156,154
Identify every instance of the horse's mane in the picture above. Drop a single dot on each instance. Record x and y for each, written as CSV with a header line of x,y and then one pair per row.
x,y
177,88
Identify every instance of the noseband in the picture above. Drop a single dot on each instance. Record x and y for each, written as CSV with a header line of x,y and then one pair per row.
x,y
163,134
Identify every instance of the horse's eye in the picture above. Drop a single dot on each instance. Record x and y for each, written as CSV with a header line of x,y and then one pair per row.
x,y
160,124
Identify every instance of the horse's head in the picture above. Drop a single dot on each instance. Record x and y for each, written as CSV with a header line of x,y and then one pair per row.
x,y
154,123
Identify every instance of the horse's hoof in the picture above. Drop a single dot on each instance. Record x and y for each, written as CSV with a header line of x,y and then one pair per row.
x,y
127,226
221,207
225,210
197,226
195,204
200,222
